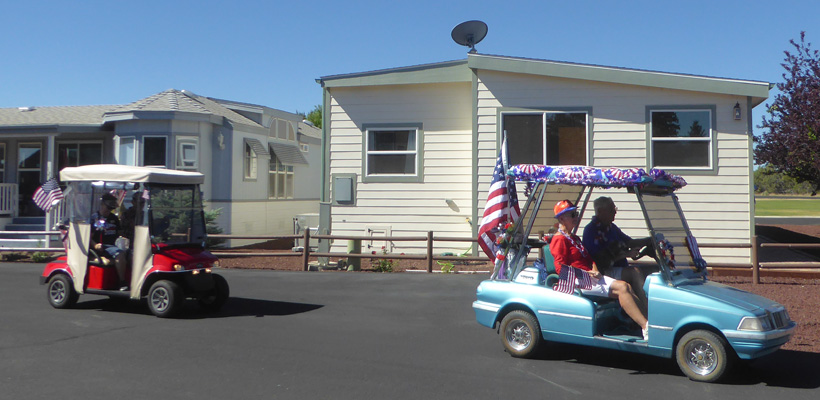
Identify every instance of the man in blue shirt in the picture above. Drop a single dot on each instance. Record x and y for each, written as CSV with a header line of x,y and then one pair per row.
x,y
609,247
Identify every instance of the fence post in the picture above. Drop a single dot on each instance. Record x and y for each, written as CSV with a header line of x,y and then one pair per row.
x,y
429,251
306,250
755,261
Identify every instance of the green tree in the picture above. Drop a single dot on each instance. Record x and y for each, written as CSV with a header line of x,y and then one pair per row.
x,y
770,181
315,116
791,142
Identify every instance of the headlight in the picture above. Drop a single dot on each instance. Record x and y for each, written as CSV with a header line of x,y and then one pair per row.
x,y
758,324
178,267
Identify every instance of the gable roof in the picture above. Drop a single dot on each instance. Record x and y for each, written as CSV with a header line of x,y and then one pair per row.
x,y
177,103
459,71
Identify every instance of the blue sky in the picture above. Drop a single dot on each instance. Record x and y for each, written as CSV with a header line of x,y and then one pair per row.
x,y
271,52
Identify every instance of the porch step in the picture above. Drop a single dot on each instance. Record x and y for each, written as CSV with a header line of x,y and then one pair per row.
x,y
25,227
29,220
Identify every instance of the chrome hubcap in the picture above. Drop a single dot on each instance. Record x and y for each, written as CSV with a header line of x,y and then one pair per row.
x,y
518,335
701,357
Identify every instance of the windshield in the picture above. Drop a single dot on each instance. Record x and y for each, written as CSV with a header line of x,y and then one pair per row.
x,y
666,220
175,213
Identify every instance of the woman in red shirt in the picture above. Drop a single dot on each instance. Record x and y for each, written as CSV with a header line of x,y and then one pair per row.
x,y
567,249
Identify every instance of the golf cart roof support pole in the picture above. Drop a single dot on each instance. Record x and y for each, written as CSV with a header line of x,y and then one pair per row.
x,y
522,250
516,226
535,212
587,189
685,224
664,268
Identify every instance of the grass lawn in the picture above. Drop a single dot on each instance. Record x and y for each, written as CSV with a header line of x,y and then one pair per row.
x,y
808,207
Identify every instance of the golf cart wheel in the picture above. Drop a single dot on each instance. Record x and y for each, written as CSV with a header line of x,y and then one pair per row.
x,y
520,334
216,297
164,298
60,291
702,356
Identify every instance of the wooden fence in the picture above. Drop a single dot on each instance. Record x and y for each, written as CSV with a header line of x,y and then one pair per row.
x,y
810,267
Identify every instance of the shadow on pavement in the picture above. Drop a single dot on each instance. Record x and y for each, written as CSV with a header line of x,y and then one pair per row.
x,y
235,307
784,368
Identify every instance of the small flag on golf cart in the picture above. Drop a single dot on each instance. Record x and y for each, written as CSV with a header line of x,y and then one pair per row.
x,y
48,195
570,277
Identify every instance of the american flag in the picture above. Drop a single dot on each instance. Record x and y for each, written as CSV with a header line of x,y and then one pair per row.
x,y
502,207
48,195
567,281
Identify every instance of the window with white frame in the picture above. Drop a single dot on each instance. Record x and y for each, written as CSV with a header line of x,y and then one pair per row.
x,y
280,179
126,150
250,161
545,137
391,151
154,151
681,138
187,153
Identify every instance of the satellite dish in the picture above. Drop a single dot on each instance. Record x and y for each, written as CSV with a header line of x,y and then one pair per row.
x,y
469,33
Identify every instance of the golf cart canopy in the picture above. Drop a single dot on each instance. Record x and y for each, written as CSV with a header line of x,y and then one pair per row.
x,y
654,181
127,173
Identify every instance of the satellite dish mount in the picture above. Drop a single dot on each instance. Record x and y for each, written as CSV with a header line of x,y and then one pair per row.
x,y
469,33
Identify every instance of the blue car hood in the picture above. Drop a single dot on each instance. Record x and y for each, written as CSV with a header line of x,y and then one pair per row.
x,y
729,295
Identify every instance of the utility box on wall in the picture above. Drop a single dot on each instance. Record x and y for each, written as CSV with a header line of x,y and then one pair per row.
x,y
344,189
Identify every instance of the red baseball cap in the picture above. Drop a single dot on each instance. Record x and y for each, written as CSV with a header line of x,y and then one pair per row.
x,y
563,206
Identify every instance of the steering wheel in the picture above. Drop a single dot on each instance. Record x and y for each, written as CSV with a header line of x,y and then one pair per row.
x,y
645,251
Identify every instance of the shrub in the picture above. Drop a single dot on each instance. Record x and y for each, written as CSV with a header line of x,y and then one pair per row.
x,y
41,257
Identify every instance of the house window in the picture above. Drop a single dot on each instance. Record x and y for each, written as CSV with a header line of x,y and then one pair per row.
x,y
126,151
551,138
250,160
681,138
305,148
391,151
154,150
280,179
187,153
77,154
2,162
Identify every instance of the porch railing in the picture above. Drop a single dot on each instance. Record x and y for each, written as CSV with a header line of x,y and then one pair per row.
x,y
8,199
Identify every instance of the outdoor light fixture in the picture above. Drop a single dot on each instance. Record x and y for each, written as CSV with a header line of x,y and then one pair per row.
x,y
736,111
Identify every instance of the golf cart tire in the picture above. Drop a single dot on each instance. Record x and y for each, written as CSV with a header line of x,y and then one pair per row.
x,y
216,298
702,356
520,334
60,291
165,298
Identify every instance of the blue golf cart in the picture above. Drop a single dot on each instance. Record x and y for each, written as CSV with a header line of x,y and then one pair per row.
x,y
703,325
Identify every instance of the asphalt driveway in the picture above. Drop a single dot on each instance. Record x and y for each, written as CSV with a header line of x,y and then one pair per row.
x,y
327,335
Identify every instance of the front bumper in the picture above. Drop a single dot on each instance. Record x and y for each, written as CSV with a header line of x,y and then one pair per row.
x,y
749,345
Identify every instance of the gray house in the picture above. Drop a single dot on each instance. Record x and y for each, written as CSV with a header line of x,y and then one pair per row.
x,y
261,165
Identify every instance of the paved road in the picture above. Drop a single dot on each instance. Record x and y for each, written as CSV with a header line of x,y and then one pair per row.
x,y
331,335
787,220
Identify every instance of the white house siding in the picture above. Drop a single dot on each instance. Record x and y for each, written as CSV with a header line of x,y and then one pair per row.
x,y
716,205
406,209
